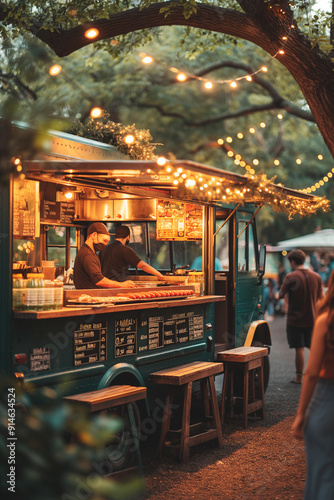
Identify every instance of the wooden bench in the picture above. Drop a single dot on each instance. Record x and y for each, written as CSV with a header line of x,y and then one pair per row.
x,y
112,397
247,359
189,435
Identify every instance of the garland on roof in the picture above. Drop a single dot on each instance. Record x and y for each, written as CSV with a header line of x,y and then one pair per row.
x,y
125,138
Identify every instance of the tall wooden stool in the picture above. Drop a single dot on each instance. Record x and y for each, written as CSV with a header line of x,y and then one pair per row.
x,y
110,397
190,435
247,359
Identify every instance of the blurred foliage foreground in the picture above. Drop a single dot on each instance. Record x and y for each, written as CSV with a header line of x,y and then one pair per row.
x,y
56,451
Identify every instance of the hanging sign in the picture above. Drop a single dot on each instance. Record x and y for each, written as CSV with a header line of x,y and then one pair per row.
x,y
179,221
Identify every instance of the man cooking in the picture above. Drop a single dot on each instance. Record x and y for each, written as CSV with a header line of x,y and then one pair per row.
x,y
87,267
116,258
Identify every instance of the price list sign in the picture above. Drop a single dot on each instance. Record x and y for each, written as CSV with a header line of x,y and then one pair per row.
x,y
180,328
125,337
90,343
40,359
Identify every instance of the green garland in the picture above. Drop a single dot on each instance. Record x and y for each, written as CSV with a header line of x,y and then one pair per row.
x,y
108,132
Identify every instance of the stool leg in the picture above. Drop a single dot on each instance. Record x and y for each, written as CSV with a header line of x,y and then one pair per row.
x,y
215,410
135,436
166,419
224,391
245,395
184,448
205,397
261,383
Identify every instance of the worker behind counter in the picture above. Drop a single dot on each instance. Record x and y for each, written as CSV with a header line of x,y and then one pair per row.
x,y
87,267
116,258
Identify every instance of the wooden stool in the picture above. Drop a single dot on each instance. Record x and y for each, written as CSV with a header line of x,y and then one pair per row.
x,y
117,395
184,376
248,359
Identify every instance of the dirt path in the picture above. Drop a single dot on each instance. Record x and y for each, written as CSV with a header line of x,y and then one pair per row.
x,y
262,461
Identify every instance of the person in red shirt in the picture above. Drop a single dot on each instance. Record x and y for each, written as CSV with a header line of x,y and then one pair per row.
x,y
303,288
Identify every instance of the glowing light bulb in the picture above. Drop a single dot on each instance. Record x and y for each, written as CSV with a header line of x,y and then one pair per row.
x,y
208,85
264,69
181,77
240,135
147,60
298,161
96,112
55,70
262,125
276,162
320,157
249,78
91,33
233,84
255,161
280,116
281,52
229,139
252,130
161,161
129,139
69,195
220,141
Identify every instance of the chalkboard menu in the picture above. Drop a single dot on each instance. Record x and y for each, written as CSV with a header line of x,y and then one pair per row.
x,y
90,343
25,209
125,337
180,328
40,359
58,211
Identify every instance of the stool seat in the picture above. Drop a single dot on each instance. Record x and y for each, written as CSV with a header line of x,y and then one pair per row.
x,y
247,359
110,397
183,376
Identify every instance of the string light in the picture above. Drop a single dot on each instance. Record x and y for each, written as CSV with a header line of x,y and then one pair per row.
x,y
129,139
96,112
91,33
55,70
182,76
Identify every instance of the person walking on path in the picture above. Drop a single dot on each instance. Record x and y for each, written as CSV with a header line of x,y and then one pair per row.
x,y
303,288
314,419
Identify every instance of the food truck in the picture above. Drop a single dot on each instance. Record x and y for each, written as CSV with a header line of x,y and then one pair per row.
x,y
193,222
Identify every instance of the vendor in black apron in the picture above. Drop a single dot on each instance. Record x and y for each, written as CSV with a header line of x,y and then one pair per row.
x,y
87,267
118,256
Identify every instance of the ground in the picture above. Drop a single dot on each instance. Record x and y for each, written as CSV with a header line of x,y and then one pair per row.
x,y
263,460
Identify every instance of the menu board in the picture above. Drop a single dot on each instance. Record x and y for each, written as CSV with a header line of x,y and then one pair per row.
x,y
90,343
25,209
179,221
180,328
125,337
40,359
58,211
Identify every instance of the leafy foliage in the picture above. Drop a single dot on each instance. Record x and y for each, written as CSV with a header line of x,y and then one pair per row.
x,y
56,449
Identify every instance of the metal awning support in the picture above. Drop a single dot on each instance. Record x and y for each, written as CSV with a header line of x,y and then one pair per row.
x,y
250,220
223,224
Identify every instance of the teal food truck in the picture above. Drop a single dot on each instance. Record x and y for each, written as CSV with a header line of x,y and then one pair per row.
x,y
194,223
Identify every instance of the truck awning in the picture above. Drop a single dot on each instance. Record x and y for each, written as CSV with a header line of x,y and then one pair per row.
x,y
181,180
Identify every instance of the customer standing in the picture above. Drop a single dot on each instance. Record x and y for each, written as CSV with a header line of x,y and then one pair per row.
x,y
87,267
116,258
314,419
303,288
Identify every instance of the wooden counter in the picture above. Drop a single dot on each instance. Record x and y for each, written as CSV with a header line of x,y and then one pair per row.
x,y
129,306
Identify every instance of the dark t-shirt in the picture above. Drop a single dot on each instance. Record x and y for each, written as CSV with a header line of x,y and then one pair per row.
x,y
87,268
115,260
304,289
